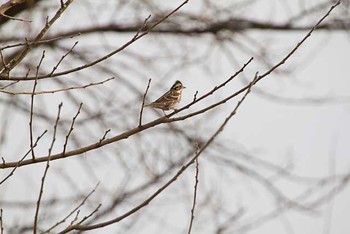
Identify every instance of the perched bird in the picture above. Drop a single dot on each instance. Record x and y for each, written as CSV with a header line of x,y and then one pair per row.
x,y
170,99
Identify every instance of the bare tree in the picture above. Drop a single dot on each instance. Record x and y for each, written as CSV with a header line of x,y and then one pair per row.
x,y
79,150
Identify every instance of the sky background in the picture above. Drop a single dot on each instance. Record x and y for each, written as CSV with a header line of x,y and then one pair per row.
x,y
279,122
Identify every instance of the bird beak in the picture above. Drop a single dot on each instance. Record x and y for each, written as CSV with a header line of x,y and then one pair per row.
x,y
184,87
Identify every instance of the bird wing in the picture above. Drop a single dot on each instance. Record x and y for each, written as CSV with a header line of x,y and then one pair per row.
x,y
168,96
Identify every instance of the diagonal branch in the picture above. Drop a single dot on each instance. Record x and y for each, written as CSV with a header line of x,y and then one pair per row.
x,y
143,102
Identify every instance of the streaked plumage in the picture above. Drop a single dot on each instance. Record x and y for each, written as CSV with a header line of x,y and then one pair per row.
x,y
169,100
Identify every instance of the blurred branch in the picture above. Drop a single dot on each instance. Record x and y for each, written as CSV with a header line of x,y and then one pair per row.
x,y
42,41
234,25
195,190
269,216
136,37
8,5
25,6
72,212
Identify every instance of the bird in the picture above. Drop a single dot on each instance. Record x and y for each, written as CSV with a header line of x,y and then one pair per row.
x,y
170,99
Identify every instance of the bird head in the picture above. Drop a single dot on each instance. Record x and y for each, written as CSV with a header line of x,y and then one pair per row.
x,y
178,86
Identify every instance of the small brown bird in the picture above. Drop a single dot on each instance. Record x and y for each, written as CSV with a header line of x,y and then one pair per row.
x,y
170,99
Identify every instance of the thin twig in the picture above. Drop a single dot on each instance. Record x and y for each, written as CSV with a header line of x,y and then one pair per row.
x,y
195,96
195,189
76,217
32,105
71,129
46,170
143,26
56,90
65,55
91,214
143,102
104,136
